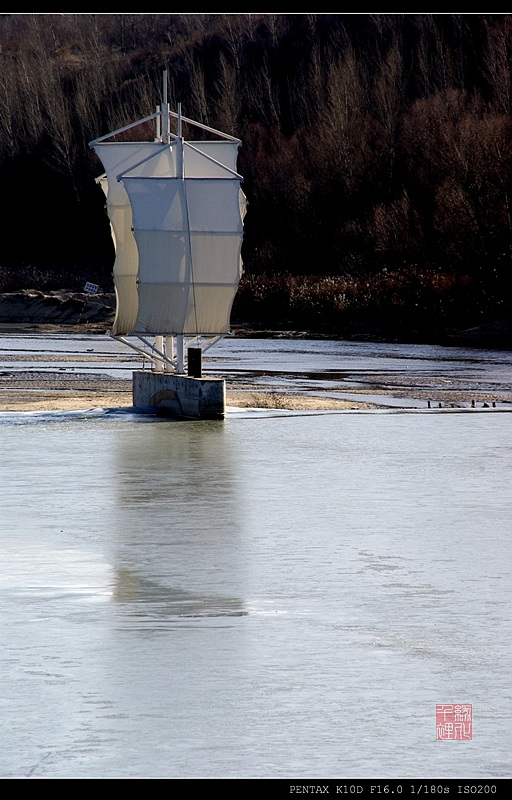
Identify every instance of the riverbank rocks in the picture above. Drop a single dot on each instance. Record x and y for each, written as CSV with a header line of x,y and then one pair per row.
x,y
32,307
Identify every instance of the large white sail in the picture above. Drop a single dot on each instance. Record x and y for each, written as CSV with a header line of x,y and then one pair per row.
x,y
176,212
115,157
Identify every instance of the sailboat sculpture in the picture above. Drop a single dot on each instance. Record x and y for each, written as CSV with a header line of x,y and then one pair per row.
x,y
176,211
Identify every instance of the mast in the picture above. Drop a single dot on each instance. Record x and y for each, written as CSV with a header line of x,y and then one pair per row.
x,y
163,135
166,137
180,173
165,111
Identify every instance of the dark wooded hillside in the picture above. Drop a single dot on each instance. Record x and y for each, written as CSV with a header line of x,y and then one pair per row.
x,y
377,148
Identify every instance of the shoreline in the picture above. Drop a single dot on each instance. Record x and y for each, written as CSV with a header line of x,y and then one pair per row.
x,y
87,395
60,390
71,311
41,400
493,336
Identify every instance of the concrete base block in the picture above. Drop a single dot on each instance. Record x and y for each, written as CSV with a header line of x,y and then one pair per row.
x,y
180,395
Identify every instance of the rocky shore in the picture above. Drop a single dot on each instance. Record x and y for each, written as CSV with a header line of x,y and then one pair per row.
x,y
75,310
30,307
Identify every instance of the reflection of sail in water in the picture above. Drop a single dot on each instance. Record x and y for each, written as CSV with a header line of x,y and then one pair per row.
x,y
178,539
176,211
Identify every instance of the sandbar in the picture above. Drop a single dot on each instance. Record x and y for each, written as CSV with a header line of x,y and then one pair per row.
x,y
18,400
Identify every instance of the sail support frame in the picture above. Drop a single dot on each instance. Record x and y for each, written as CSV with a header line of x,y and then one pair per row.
x,y
159,356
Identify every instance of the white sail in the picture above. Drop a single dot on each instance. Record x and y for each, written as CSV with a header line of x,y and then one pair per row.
x,y
176,212
115,157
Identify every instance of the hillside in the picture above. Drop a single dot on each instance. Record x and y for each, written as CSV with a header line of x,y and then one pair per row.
x,y
376,153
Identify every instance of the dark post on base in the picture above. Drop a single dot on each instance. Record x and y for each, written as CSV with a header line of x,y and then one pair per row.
x,y
194,362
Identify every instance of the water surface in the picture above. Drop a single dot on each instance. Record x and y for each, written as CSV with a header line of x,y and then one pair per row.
x,y
276,595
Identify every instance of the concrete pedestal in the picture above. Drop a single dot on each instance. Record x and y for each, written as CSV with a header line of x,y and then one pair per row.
x,y
180,395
